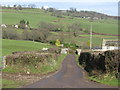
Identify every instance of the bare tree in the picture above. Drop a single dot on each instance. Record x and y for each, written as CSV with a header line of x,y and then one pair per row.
x,y
25,35
31,6
9,34
19,7
74,27
14,6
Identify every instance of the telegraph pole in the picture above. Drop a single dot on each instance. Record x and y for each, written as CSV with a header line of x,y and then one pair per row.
x,y
91,36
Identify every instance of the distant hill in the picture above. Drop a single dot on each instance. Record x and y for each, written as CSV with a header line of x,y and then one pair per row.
x,y
96,14
35,16
88,14
72,12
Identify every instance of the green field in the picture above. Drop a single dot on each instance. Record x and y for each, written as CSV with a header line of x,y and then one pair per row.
x,y
9,46
11,84
34,16
82,39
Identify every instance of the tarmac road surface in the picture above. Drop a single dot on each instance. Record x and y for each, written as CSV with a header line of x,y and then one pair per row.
x,y
69,76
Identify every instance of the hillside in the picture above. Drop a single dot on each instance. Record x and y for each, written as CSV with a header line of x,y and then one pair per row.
x,y
35,16
95,15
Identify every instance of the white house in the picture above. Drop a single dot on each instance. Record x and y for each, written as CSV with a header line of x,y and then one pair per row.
x,y
16,26
88,17
3,25
45,7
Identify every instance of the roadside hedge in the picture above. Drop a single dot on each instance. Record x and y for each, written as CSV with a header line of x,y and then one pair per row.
x,y
32,57
98,63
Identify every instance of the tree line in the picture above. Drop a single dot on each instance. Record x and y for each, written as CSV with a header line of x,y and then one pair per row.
x,y
35,35
19,7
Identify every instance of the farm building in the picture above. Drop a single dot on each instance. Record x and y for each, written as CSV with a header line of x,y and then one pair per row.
x,y
110,44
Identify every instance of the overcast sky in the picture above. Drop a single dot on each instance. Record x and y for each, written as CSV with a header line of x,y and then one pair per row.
x,y
60,0
109,7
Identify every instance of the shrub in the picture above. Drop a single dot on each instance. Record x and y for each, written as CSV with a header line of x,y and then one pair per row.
x,y
52,42
54,50
69,45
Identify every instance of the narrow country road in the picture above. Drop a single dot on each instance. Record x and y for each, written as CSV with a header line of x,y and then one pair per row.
x,y
70,76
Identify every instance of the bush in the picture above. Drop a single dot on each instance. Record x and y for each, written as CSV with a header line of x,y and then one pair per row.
x,y
52,42
69,45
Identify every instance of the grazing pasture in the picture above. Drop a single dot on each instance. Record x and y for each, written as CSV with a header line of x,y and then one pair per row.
x,y
9,46
35,16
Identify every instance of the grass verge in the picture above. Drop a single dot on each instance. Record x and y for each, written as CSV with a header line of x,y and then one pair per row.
x,y
48,66
11,84
45,69
53,67
106,79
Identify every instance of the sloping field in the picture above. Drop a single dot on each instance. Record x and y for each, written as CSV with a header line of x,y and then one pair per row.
x,y
9,46
34,16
